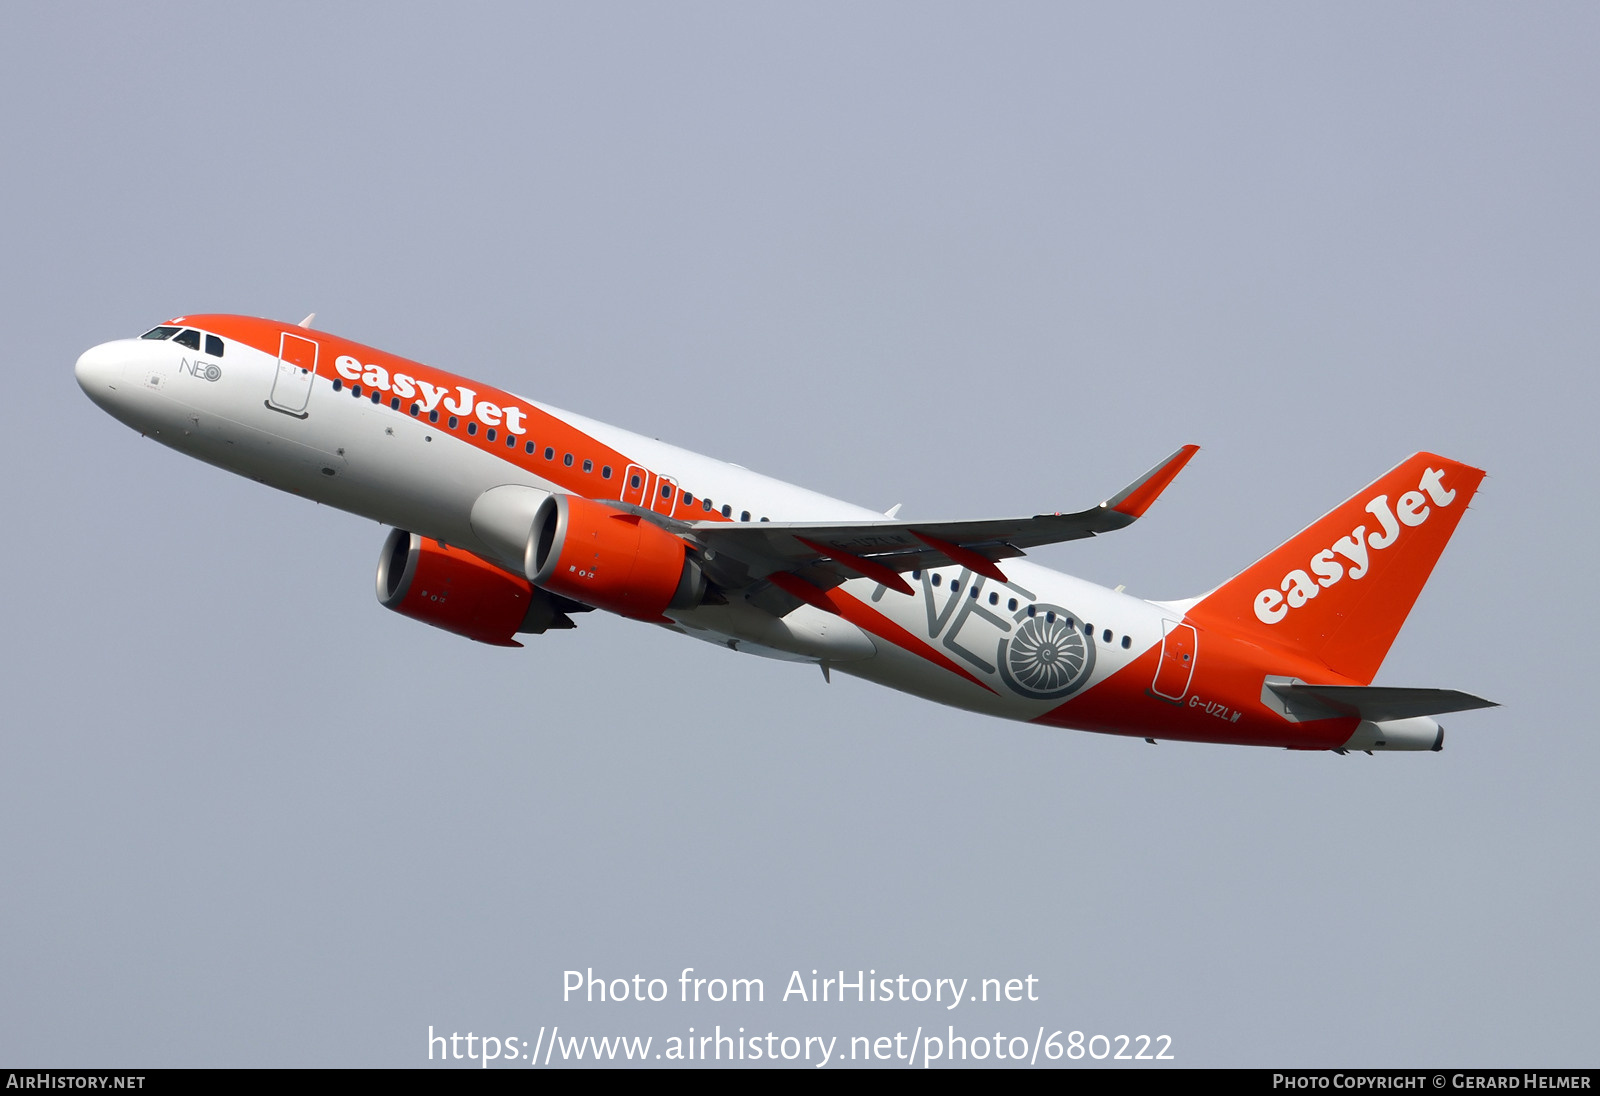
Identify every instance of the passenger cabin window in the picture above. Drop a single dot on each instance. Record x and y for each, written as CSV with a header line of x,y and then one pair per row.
x,y
160,333
189,338
213,346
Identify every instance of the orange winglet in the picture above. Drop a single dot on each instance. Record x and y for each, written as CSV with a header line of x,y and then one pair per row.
x,y
965,557
1137,498
866,568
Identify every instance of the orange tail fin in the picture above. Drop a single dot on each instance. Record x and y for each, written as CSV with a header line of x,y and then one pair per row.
x,y
1340,589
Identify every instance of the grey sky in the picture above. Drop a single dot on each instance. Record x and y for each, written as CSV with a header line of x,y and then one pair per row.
x,y
979,260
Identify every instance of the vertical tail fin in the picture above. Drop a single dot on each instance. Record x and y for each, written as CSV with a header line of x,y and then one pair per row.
x,y
1340,589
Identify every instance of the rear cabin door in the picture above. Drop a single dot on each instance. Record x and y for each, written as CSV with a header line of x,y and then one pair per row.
x,y
1176,668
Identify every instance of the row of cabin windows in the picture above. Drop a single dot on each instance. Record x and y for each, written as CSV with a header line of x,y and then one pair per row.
x,y
191,338
452,422
1106,636
187,336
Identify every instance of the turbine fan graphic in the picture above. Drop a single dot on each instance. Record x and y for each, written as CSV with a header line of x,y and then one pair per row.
x,y
1046,658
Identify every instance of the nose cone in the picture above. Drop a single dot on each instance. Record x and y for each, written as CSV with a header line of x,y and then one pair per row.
x,y
99,372
103,375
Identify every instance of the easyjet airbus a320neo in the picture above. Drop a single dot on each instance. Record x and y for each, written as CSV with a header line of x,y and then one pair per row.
x,y
511,516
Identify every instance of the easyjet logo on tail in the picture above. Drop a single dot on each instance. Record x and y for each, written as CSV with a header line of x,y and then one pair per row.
x,y
1351,556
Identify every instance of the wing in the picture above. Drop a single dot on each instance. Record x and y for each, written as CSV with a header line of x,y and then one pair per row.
x,y
821,555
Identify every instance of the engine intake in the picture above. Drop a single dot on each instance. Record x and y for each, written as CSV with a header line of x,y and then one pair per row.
x,y
453,589
610,559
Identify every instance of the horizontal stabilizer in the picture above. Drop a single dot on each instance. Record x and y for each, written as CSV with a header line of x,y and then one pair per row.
x,y
1375,702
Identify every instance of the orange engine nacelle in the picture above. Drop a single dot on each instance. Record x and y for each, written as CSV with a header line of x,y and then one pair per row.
x,y
610,559
453,589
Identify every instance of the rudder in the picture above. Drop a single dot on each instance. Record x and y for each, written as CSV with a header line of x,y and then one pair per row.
x,y
1340,589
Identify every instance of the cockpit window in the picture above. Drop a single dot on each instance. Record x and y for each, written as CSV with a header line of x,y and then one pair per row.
x,y
159,333
188,337
213,346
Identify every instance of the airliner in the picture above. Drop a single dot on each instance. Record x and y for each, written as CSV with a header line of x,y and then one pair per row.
x,y
510,517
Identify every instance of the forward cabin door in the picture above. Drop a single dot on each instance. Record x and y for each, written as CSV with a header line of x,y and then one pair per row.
x,y
297,368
